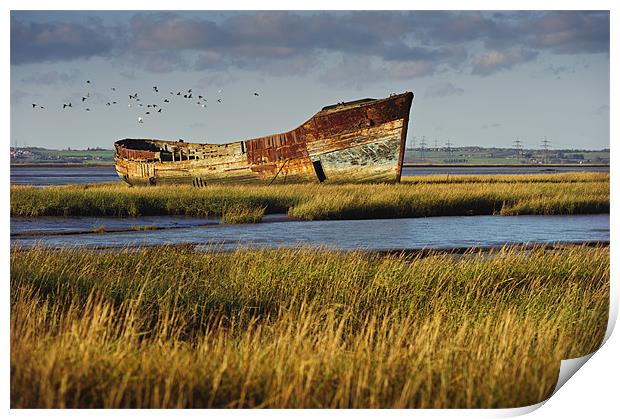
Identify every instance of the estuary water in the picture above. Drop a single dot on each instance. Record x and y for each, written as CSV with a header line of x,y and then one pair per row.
x,y
49,175
278,231
62,175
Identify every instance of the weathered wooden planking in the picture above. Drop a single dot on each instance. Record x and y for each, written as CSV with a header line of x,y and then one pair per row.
x,y
361,141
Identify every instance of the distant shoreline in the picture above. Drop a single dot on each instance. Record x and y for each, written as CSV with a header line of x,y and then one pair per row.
x,y
111,164
503,165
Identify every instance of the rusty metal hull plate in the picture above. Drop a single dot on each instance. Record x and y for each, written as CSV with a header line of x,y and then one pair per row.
x,y
354,142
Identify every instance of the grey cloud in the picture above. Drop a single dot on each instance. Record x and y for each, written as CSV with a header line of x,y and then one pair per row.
x,y
158,61
167,31
215,80
569,32
494,60
412,69
443,89
17,96
355,72
412,44
38,42
52,77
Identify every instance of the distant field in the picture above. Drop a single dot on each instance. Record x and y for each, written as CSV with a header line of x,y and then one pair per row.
x,y
167,327
46,156
498,156
422,196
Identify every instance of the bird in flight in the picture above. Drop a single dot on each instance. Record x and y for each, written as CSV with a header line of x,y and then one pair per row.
x,y
83,98
159,110
65,105
219,100
255,94
140,121
166,100
155,89
34,105
114,89
87,109
87,81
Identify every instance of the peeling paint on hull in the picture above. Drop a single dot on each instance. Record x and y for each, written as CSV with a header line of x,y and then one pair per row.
x,y
354,142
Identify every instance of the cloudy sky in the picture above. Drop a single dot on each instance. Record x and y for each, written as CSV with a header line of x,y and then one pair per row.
x,y
479,78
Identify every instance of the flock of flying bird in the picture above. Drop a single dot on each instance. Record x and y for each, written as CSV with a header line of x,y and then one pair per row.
x,y
135,101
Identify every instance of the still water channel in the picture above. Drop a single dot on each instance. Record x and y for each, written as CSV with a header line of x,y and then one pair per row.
x,y
276,231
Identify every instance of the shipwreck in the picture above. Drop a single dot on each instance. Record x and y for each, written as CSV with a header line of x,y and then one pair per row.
x,y
351,142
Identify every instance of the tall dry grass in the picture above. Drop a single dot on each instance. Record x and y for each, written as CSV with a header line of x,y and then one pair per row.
x,y
423,196
168,327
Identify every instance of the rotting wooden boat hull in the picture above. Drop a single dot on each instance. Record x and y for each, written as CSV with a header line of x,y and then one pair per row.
x,y
355,142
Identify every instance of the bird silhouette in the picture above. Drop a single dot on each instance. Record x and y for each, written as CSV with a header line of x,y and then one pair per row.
x,y
255,94
189,91
155,89
113,89
34,105
83,98
65,105
166,100
108,104
140,121
87,109
148,113
159,110
87,81
113,103
219,100
178,93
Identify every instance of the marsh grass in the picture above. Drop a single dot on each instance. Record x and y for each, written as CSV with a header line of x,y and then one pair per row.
x,y
98,229
143,227
168,327
423,196
241,215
